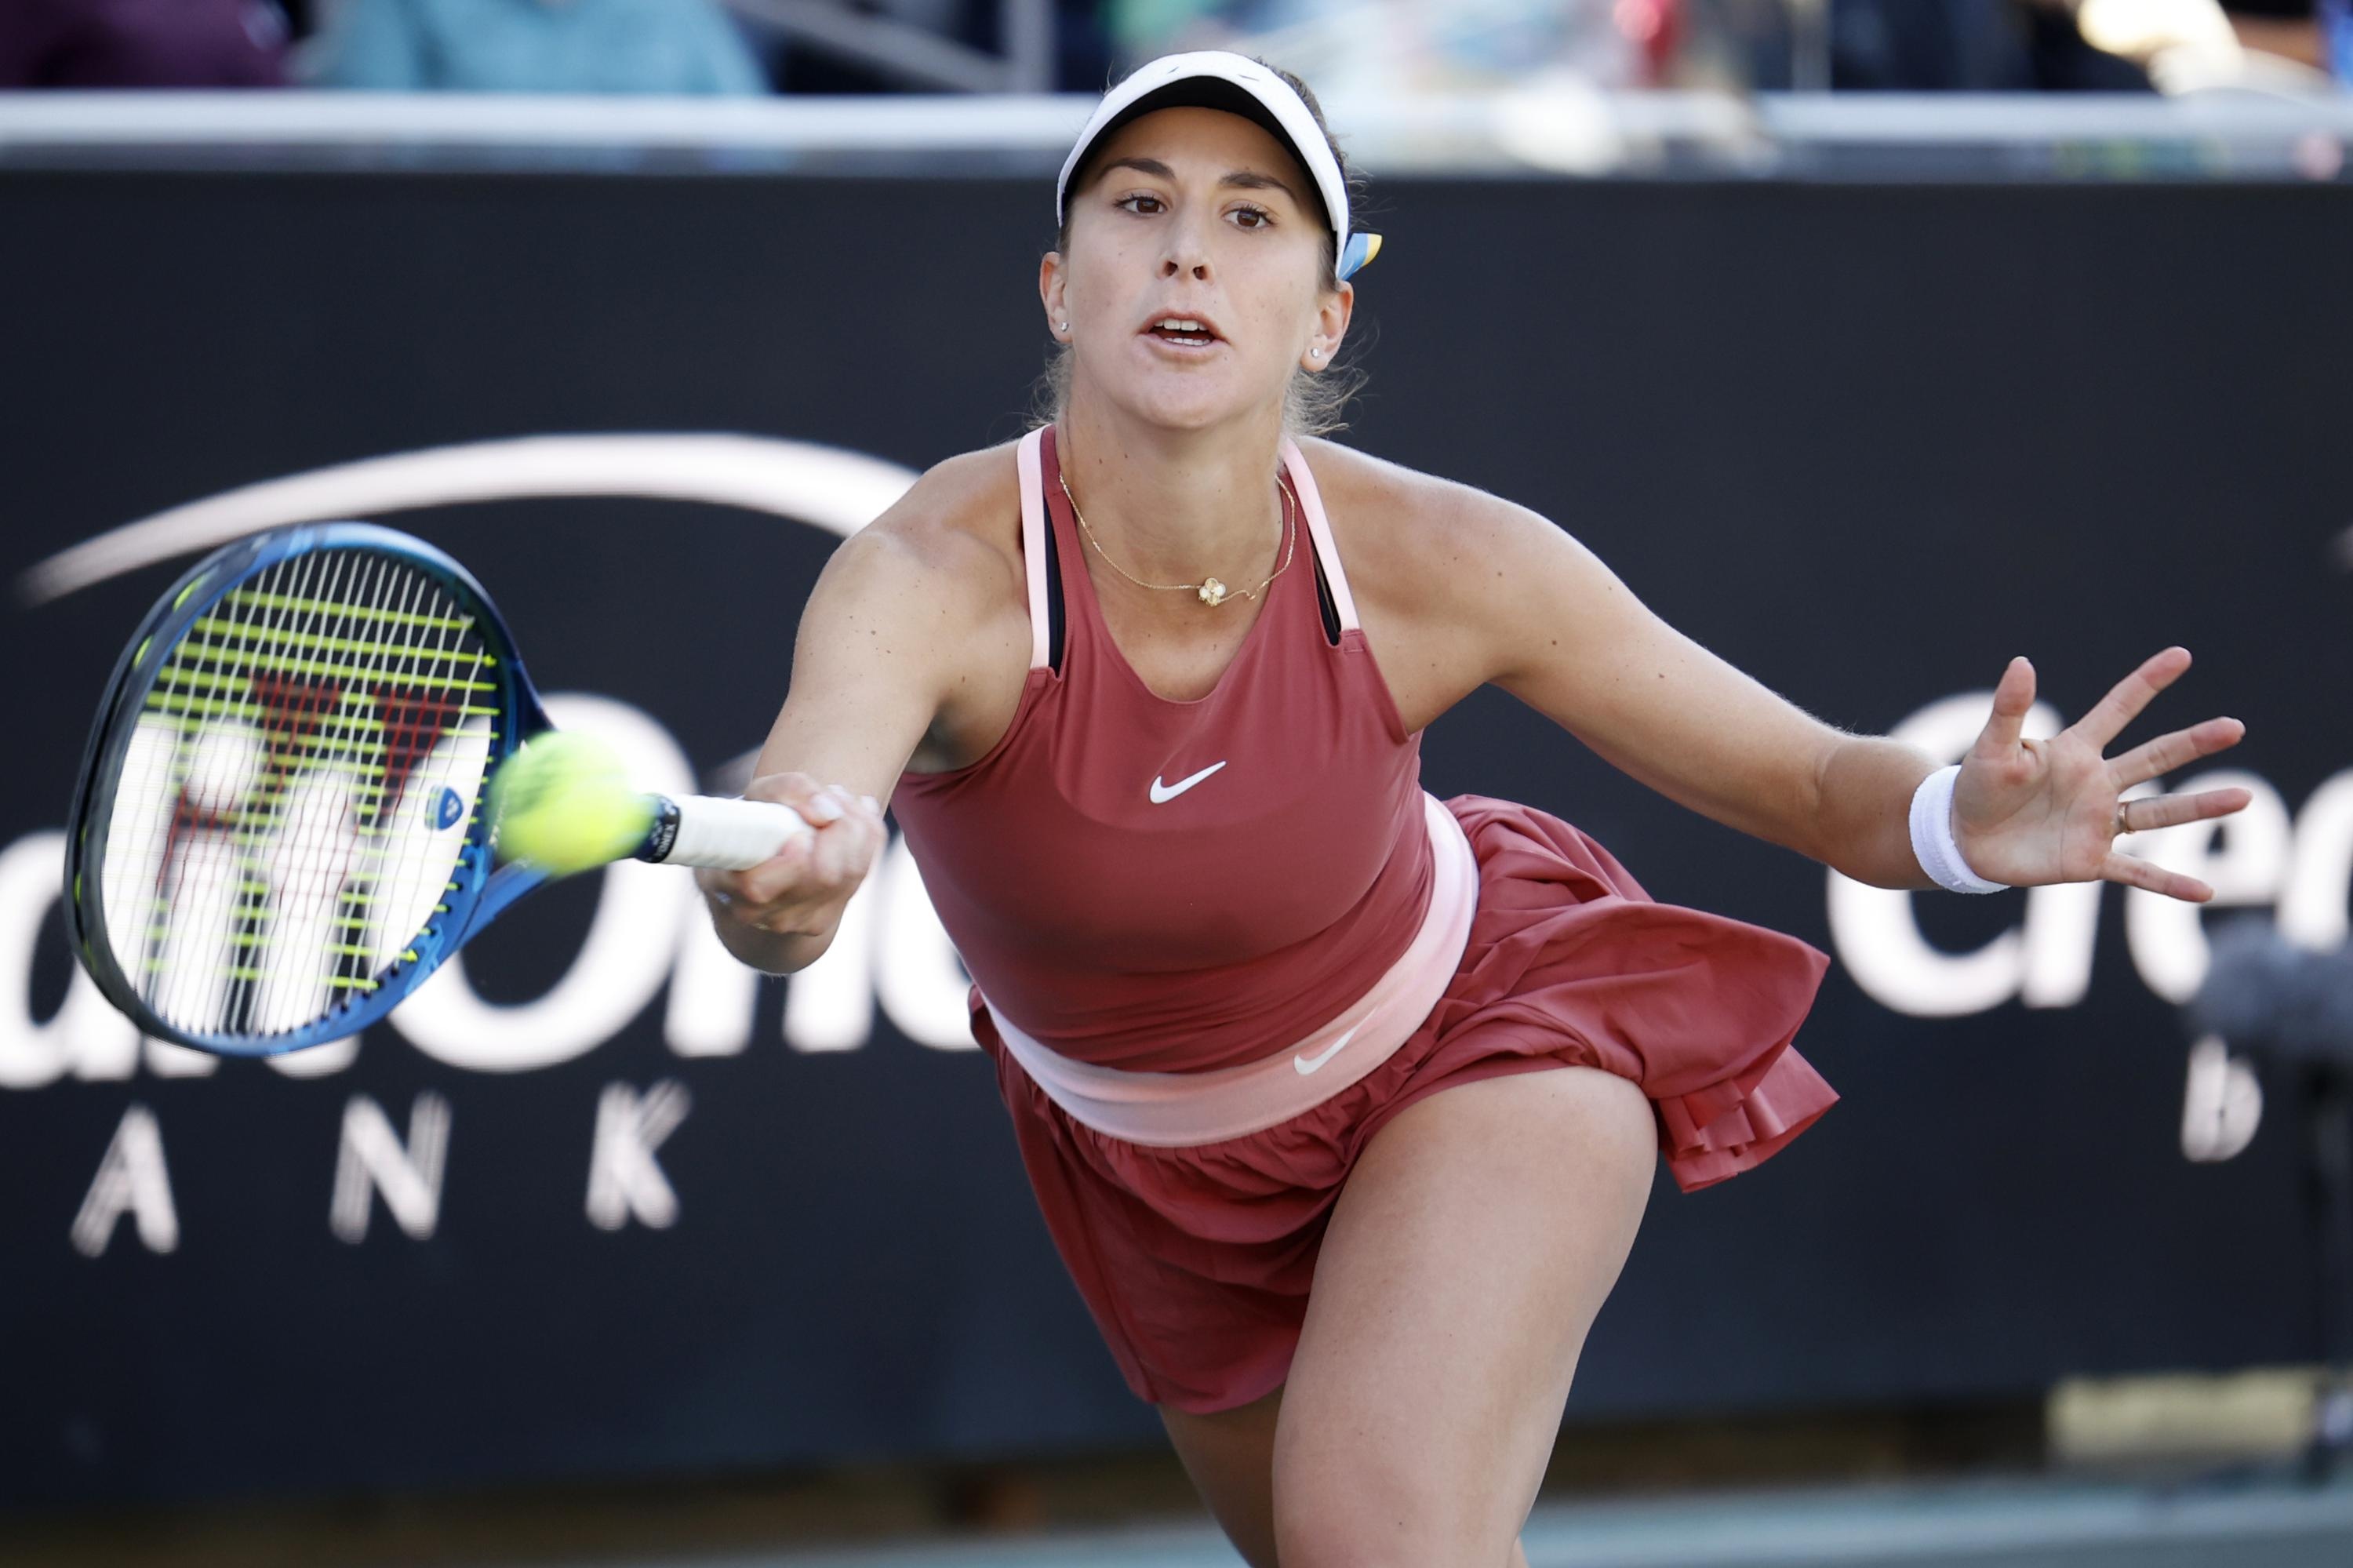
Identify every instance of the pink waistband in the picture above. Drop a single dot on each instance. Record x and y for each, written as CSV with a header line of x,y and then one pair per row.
x,y
1173,1110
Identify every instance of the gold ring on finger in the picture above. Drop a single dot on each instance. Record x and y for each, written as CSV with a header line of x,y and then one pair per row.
x,y
2123,827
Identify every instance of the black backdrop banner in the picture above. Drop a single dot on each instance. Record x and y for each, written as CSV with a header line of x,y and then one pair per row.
x,y
600,1203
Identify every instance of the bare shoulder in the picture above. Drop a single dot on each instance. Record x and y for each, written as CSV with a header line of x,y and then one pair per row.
x,y
1458,588
1408,537
1459,583
923,614
954,538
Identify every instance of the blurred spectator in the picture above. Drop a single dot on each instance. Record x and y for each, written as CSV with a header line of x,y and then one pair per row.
x,y
1382,45
1970,46
2284,27
2194,45
532,45
1374,47
796,64
142,43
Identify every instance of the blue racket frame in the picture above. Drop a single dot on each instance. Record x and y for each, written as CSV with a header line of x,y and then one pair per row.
x,y
480,890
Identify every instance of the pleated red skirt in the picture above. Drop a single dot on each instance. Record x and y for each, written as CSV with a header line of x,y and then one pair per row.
x,y
1196,1262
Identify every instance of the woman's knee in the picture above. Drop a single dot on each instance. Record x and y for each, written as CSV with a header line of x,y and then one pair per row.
x,y
1341,1522
1375,1502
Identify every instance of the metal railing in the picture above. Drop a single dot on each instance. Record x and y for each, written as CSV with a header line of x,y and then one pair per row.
x,y
1553,133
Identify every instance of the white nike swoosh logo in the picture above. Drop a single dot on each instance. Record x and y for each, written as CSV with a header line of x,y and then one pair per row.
x,y
1307,1065
1163,793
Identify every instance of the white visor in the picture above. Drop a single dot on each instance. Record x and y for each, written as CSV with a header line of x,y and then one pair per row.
x,y
1217,79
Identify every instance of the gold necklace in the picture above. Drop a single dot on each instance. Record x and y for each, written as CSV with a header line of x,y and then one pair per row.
x,y
1210,590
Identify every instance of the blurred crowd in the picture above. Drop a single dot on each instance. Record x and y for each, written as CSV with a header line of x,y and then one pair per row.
x,y
751,46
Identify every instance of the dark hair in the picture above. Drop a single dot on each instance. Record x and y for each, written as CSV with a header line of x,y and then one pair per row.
x,y
1312,403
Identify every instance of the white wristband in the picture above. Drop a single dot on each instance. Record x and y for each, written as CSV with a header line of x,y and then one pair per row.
x,y
1932,836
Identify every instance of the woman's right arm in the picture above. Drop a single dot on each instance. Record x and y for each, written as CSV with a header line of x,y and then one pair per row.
x,y
905,628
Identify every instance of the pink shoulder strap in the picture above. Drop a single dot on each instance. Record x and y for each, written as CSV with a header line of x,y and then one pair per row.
x,y
1319,528
1033,539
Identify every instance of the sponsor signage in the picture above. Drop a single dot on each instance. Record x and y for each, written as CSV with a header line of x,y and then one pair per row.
x,y
599,1200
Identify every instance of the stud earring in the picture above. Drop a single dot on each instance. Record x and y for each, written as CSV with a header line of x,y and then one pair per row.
x,y
1315,354
1063,326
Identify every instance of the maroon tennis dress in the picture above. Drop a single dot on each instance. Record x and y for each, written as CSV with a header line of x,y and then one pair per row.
x,y
1166,906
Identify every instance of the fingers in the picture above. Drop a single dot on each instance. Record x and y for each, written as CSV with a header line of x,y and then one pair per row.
x,y
847,846
802,886
2151,812
2108,717
777,876
798,790
2168,752
2134,872
2013,695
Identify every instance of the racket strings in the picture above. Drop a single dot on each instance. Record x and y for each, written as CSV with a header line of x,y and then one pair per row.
x,y
299,788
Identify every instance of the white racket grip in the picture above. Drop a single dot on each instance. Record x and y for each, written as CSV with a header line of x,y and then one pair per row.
x,y
723,834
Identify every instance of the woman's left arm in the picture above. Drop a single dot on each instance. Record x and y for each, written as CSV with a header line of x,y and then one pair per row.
x,y
1565,636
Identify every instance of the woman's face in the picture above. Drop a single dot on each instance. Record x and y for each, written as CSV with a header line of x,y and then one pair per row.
x,y
1194,215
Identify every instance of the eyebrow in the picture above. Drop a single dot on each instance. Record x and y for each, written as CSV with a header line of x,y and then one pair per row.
x,y
1242,179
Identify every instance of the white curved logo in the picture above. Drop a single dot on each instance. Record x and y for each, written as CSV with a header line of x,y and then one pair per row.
x,y
1306,1064
1163,793
826,487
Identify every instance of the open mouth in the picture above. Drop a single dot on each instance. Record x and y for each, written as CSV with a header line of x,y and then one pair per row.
x,y
1190,332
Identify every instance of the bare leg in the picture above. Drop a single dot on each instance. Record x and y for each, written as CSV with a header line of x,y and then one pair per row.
x,y
1230,1456
1467,1256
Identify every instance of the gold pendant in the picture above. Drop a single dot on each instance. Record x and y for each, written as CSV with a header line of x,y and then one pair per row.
x,y
1212,591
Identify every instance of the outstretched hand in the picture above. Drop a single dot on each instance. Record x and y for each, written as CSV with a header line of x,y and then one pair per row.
x,y
2027,812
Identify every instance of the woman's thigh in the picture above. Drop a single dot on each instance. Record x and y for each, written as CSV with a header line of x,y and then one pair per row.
x,y
1468,1253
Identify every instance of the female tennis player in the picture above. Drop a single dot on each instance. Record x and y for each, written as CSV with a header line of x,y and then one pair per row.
x,y
1146,689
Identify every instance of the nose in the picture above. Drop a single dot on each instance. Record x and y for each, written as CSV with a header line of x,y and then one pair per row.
x,y
1189,250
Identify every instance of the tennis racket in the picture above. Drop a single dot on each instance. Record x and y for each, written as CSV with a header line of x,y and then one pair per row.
x,y
281,829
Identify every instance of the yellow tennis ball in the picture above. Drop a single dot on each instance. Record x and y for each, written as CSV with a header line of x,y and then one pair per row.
x,y
564,804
